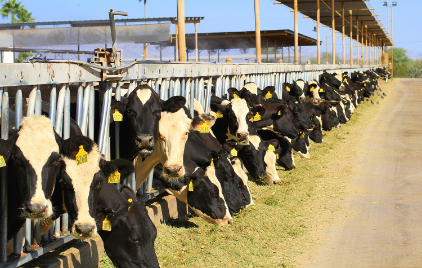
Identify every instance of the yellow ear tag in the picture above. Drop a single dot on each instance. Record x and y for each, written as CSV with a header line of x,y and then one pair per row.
x,y
2,162
106,224
257,117
364,84
219,114
235,96
82,156
117,116
130,200
287,88
233,152
276,155
302,136
268,95
345,80
114,177
365,75
312,89
212,162
190,186
321,90
204,128
271,148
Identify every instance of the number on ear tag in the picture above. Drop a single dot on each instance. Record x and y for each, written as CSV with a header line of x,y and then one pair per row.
x,y
82,156
268,95
287,88
257,117
106,224
233,152
235,96
271,148
219,114
117,116
191,186
114,177
204,128
2,162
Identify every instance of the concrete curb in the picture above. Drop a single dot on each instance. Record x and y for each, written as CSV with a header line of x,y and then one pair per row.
x,y
88,253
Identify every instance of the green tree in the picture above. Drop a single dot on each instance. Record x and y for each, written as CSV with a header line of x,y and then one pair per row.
x,y
415,71
401,62
11,7
25,16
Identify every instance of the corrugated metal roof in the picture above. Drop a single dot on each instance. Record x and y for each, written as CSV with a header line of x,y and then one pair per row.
x,y
360,11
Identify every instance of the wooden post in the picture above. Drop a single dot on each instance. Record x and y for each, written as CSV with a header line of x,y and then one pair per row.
x,y
181,29
351,37
177,43
296,34
362,44
318,33
357,40
366,44
342,30
257,33
333,25
196,42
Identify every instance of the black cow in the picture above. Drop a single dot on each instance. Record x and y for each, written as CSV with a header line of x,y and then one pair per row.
x,y
284,155
129,242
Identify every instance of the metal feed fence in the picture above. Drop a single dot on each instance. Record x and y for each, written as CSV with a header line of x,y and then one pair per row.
x,y
191,80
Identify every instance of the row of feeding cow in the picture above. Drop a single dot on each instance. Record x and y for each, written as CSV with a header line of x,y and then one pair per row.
x,y
201,160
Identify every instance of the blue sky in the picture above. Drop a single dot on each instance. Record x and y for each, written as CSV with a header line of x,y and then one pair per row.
x,y
229,16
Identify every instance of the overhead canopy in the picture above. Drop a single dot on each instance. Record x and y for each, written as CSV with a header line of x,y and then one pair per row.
x,y
359,9
239,40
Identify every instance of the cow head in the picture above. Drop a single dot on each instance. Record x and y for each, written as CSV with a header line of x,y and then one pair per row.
x,y
284,154
34,152
300,120
173,130
238,114
141,113
313,91
300,145
130,243
329,79
296,89
283,121
270,159
269,93
316,133
329,93
81,181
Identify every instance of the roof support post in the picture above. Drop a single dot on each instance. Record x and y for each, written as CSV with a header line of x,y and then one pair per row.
x,y
342,30
318,32
296,33
357,39
366,44
257,32
351,37
196,42
362,45
181,29
333,25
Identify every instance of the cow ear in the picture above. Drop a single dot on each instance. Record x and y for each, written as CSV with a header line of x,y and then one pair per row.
x,y
273,142
267,89
124,167
6,147
70,147
218,107
213,156
119,106
127,192
233,91
229,145
173,104
258,109
59,139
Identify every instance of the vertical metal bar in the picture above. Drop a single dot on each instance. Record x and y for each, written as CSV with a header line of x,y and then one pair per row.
x,y
208,97
79,105
201,92
60,107
3,180
28,230
36,237
118,97
66,135
38,103
31,102
53,102
106,146
85,106
183,87
103,121
91,112
192,89
171,88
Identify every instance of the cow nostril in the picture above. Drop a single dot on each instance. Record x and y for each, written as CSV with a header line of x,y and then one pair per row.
x,y
173,169
84,229
37,208
230,221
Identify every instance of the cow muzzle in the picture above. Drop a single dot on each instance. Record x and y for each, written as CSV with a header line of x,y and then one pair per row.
x,y
84,231
242,138
37,211
173,172
145,144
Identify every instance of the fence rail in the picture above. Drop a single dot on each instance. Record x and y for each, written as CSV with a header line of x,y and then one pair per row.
x,y
191,80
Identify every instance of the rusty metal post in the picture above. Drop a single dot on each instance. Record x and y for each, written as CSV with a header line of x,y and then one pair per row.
x,y
333,25
343,32
181,29
296,33
318,32
258,32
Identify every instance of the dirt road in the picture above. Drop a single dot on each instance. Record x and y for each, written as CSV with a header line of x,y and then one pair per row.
x,y
382,226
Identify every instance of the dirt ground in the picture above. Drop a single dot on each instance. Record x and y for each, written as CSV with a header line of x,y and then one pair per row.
x,y
380,222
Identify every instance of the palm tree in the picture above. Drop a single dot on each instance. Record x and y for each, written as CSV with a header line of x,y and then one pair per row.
x,y
12,8
25,16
